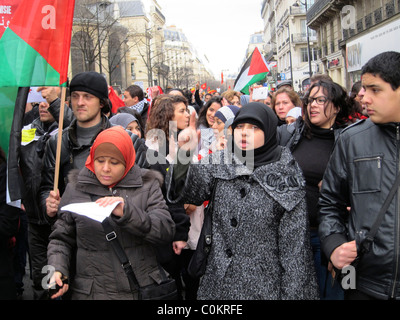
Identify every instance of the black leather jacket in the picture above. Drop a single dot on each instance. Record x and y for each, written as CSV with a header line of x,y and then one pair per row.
x,y
290,135
30,161
361,171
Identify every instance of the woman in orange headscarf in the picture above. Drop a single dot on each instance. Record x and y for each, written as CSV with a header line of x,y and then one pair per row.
x,y
140,220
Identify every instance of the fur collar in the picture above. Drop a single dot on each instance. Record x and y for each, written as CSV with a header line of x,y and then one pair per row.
x,y
135,178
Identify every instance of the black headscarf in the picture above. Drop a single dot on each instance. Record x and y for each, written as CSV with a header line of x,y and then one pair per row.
x,y
265,118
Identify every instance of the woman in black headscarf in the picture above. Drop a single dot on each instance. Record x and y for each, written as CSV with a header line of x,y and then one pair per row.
x,y
261,121
260,236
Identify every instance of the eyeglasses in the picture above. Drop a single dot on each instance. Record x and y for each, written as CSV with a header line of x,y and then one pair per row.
x,y
320,100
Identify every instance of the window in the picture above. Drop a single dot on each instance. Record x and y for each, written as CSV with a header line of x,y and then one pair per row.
x,y
303,27
133,74
303,55
314,54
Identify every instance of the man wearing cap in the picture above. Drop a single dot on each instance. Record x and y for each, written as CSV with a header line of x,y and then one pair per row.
x,y
285,84
89,102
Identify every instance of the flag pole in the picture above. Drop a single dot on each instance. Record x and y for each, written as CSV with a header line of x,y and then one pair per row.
x,y
59,140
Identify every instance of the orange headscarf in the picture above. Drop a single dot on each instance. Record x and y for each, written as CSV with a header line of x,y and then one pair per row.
x,y
118,137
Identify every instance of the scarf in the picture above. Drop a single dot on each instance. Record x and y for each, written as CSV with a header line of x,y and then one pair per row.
x,y
139,106
118,138
261,115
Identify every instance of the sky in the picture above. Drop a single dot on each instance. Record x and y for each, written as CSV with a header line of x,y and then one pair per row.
x,y
220,29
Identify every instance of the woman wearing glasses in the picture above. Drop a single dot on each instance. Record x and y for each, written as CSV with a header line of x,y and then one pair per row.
x,y
311,140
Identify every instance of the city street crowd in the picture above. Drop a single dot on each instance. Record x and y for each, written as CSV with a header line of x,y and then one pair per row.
x,y
295,185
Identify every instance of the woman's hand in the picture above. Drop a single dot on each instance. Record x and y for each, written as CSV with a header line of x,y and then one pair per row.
x,y
188,138
52,203
106,201
178,246
56,279
189,208
221,143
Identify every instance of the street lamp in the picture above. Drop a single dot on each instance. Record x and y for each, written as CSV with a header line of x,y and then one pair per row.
x,y
296,4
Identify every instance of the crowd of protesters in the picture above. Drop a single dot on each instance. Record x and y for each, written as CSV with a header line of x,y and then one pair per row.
x,y
296,181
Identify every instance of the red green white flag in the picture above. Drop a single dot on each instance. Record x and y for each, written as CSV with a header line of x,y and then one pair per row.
x,y
255,69
35,39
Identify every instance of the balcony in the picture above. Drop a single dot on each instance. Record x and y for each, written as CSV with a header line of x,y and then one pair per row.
x,y
323,11
302,38
270,51
297,10
371,19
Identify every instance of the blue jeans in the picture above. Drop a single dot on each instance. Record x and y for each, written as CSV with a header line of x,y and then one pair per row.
x,y
329,288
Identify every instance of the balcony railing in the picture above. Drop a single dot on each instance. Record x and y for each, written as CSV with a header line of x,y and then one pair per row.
x,y
297,10
302,37
316,8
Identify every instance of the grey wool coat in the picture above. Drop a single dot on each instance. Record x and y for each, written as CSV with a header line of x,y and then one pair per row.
x,y
260,235
146,222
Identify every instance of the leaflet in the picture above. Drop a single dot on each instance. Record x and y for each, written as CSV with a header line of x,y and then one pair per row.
x,y
91,210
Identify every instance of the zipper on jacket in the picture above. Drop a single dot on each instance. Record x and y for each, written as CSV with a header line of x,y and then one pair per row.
x,y
378,159
396,217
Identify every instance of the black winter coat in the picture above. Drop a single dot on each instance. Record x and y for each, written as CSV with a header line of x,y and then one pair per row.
x,y
146,222
9,217
31,159
362,170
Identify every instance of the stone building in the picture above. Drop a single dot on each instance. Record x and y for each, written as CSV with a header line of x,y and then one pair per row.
x,y
125,41
351,32
288,41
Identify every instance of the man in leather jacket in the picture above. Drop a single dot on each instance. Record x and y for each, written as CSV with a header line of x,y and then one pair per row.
x,y
359,176
34,139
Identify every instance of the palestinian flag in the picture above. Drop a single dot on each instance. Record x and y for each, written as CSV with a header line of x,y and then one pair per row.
x,y
35,42
35,39
255,69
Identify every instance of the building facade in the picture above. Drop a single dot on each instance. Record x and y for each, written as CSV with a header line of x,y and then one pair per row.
x,y
351,32
289,41
125,41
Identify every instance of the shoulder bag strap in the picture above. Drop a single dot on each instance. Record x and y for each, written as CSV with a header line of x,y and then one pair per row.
x,y
111,237
366,244
208,220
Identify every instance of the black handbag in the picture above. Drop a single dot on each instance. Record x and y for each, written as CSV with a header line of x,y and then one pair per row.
x,y
166,290
197,264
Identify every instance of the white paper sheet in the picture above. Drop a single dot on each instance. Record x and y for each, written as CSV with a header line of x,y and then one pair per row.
x,y
91,210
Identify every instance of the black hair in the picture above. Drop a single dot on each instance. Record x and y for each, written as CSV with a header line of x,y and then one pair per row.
x,y
203,111
355,106
188,94
385,65
135,91
107,106
337,95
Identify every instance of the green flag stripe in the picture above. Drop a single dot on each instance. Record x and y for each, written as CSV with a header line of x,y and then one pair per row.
x,y
7,98
22,66
256,78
